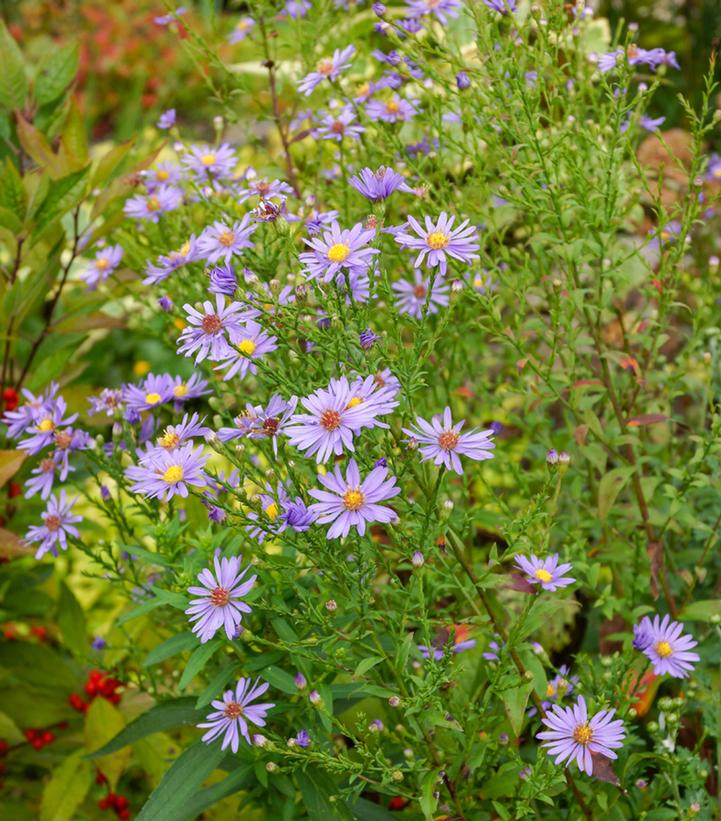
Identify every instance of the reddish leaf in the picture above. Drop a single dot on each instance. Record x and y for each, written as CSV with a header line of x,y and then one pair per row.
x,y
520,584
602,769
647,419
655,556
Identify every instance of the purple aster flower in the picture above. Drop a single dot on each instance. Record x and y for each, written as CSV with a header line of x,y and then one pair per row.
x,y
443,442
653,58
440,240
393,110
164,173
339,249
223,280
296,9
167,473
380,184
463,81
437,650
262,423
280,512
300,681
376,396
233,714
251,342
663,642
67,441
242,29
208,332
666,236
34,409
185,389
295,515
276,189
367,339
329,68
501,6
301,740
107,402
220,241
573,736
190,427
217,602
546,572
493,651
206,162
99,643
339,124
442,10
333,419
167,264
45,427
713,172
105,262
153,391
43,477
167,119
149,207
413,297
58,524
351,502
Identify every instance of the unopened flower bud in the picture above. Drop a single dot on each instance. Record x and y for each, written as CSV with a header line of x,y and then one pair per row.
x,y
417,559
259,740
397,775
331,605
300,681
271,767
314,697
394,701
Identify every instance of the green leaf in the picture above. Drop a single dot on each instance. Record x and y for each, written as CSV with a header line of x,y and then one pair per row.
x,y
428,802
366,811
10,462
9,220
320,796
200,657
280,680
67,789
217,683
71,620
74,141
55,72
164,716
239,779
12,197
103,722
37,147
366,664
180,783
703,610
610,486
111,163
63,195
13,80
170,647
514,703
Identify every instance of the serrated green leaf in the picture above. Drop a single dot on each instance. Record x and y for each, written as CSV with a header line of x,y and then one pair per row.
x,y
11,190
13,80
67,789
55,73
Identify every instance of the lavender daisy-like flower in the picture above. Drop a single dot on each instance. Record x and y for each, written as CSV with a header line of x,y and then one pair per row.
x,y
190,427
351,502
233,714
107,402
105,262
163,199
393,110
58,524
166,119
260,422
329,68
208,330
223,280
380,184
208,162
546,572
413,297
166,473
339,249
164,173
440,240
220,241
663,642
242,29
443,442
45,427
185,389
501,6
251,343
153,391
332,421
339,124
572,736
443,10
169,263
217,603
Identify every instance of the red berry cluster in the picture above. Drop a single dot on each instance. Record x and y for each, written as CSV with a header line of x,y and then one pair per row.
x,y
112,801
10,399
97,685
39,738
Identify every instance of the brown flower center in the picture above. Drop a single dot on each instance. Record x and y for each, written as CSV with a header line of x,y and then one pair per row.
x,y
233,710
330,419
227,238
448,440
53,522
220,596
63,439
270,426
420,292
337,127
211,324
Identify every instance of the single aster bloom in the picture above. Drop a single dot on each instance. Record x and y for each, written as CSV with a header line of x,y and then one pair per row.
x,y
332,420
185,389
251,342
546,572
380,184
339,250
242,29
105,262
260,422
107,402
42,431
349,502
329,68
223,280
443,442
208,331
437,241
190,427
153,391
393,110
166,473
663,642
421,296
58,524
339,124
207,162
220,241
167,264
501,6
275,189
443,10
166,119
217,603
233,714
164,173
163,199
572,736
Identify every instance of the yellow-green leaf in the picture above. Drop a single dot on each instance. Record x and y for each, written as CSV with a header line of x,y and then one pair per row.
x,y
103,721
67,789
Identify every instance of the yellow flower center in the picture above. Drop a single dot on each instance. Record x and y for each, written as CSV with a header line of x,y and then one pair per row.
x,y
717,172
102,263
272,511
353,498
162,174
153,203
354,402
208,159
243,25
437,240
247,346
45,425
173,474
393,106
185,249
363,89
180,390
543,575
665,235
152,398
338,252
227,238
664,649
169,439
582,734
550,691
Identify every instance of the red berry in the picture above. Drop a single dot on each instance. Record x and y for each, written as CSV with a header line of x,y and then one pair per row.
x,y
100,777
30,734
39,632
10,399
37,743
123,814
48,737
4,747
121,802
15,489
104,803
